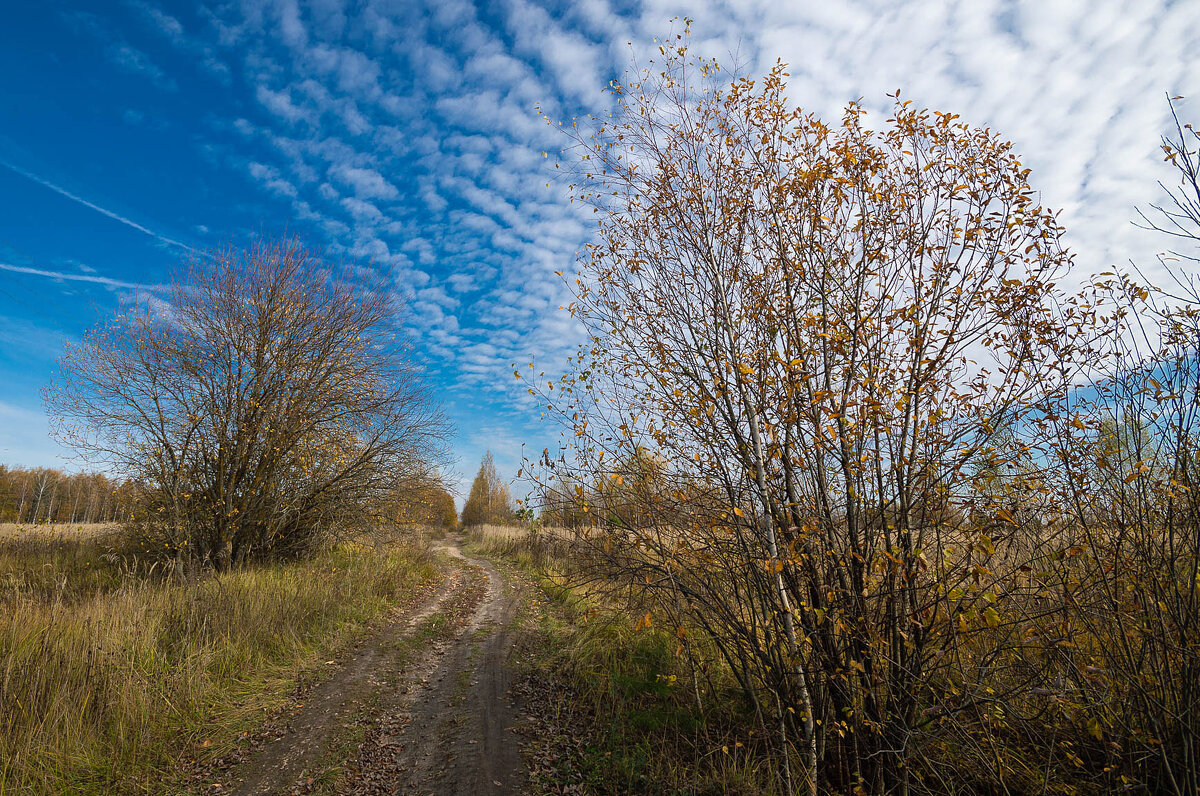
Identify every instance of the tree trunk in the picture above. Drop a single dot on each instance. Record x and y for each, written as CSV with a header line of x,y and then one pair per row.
x,y
21,506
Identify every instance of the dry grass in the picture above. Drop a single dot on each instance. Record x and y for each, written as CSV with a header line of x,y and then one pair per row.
x,y
108,678
57,530
537,547
513,533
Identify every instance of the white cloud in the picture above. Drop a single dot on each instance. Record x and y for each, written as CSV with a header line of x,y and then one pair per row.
x,y
270,177
329,18
118,51
291,28
280,103
362,211
367,183
409,136
166,24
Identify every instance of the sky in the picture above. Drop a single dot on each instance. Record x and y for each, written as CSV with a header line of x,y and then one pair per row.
x,y
405,135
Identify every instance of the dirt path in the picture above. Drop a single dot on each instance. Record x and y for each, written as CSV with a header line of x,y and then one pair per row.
x,y
427,697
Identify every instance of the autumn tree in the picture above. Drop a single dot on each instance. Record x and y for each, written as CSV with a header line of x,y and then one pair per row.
x,y
423,499
444,513
633,491
561,502
825,323
267,402
1127,452
45,495
489,500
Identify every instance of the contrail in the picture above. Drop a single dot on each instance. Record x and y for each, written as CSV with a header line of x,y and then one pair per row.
x,y
114,216
99,280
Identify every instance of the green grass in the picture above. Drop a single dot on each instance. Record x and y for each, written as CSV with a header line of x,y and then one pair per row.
x,y
650,732
632,718
111,678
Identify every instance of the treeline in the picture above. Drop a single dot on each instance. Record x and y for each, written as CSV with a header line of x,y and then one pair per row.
x,y
44,495
424,501
635,489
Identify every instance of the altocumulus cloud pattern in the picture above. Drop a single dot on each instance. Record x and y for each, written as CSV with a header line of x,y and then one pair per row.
x,y
406,135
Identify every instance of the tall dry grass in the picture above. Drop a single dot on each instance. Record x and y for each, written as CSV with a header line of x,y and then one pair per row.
x,y
532,546
109,676
56,530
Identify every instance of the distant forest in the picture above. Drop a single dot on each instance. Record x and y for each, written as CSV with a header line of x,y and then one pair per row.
x,y
45,495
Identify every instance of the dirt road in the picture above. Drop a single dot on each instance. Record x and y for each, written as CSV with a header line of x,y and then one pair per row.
x,y
422,708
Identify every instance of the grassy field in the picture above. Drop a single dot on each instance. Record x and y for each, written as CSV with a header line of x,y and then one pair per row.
x,y
619,708
537,548
58,530
113,677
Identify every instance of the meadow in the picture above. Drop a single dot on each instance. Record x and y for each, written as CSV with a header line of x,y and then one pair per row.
x,y
59,530
120,676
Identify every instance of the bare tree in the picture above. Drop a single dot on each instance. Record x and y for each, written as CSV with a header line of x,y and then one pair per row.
x,y
267,405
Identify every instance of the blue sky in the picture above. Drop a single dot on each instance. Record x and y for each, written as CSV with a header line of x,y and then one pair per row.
x,y
405,134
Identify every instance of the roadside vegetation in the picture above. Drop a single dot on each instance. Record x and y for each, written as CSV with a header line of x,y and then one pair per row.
x,y
118,677
616,706
267,406
271,455
914,515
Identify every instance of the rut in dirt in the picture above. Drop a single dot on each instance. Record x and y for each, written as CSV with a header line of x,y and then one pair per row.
x,y
440,721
